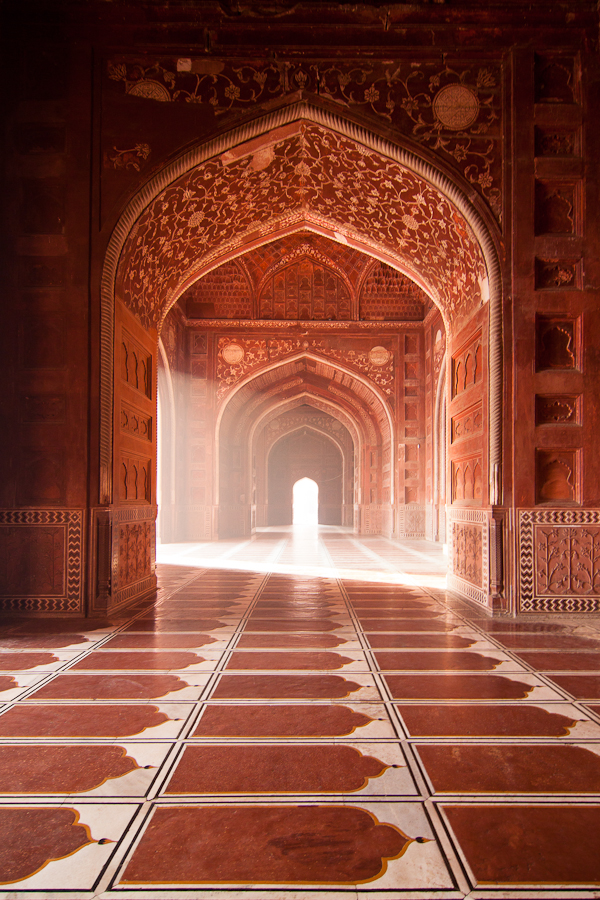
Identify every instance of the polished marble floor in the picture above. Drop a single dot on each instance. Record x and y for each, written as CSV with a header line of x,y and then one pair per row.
x,y
300,715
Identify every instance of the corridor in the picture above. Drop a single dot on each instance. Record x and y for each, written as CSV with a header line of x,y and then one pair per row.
x,y
303,714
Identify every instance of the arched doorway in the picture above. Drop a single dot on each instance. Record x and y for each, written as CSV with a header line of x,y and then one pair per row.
x,y
415,222
305,502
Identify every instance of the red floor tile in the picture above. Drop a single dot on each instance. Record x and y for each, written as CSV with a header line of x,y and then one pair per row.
x,y
171,625
582,687
30,837
304,639
456,687
296,624
18,662
529,844
109,687
558,662
272,660
276,769
426,641
481,721
276,845
504,768
158,641
431,660
79,721
279,721
153,659
284,687
55,769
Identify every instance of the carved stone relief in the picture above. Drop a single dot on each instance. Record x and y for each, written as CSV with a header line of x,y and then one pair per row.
x,y
136,365
135,478
47,408
467,479
467,368
41,560
304,290
555,142
467,552
467,424
135,552
128,158
312,173
224,293
557,409
454,109
557,274
559,551
386,294
136,423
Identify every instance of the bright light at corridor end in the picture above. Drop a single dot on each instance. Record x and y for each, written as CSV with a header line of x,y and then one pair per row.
x,y
306,502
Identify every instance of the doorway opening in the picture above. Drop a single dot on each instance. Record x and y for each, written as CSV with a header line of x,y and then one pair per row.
x,y
305,502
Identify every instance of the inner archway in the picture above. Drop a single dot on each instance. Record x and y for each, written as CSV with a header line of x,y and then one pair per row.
x,y
305,502
305,455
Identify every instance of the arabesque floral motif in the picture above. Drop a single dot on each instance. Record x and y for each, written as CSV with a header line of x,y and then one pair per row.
x,y
401,93
211,209
568,560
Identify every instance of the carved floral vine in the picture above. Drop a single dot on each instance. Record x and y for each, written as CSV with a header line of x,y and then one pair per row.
x,y
405,94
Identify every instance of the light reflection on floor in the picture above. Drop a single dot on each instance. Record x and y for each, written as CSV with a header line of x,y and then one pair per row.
x,y
329,551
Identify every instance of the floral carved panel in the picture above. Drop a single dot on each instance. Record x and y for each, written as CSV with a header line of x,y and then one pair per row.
x,y
312,174
467,552
559,560
135,551
453,109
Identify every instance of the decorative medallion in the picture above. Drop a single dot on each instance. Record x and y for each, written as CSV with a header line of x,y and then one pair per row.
x,y
456,106
233,353
150,90
379,356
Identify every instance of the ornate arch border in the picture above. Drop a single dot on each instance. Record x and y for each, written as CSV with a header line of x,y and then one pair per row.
x,y
247,132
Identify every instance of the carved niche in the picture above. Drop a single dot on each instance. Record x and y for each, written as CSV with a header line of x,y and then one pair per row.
x,y
388,295
223,293
304,290
554,79
556,343
555,208
467,367
555,476
199,344
467,479
467,552
135,478
136,365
